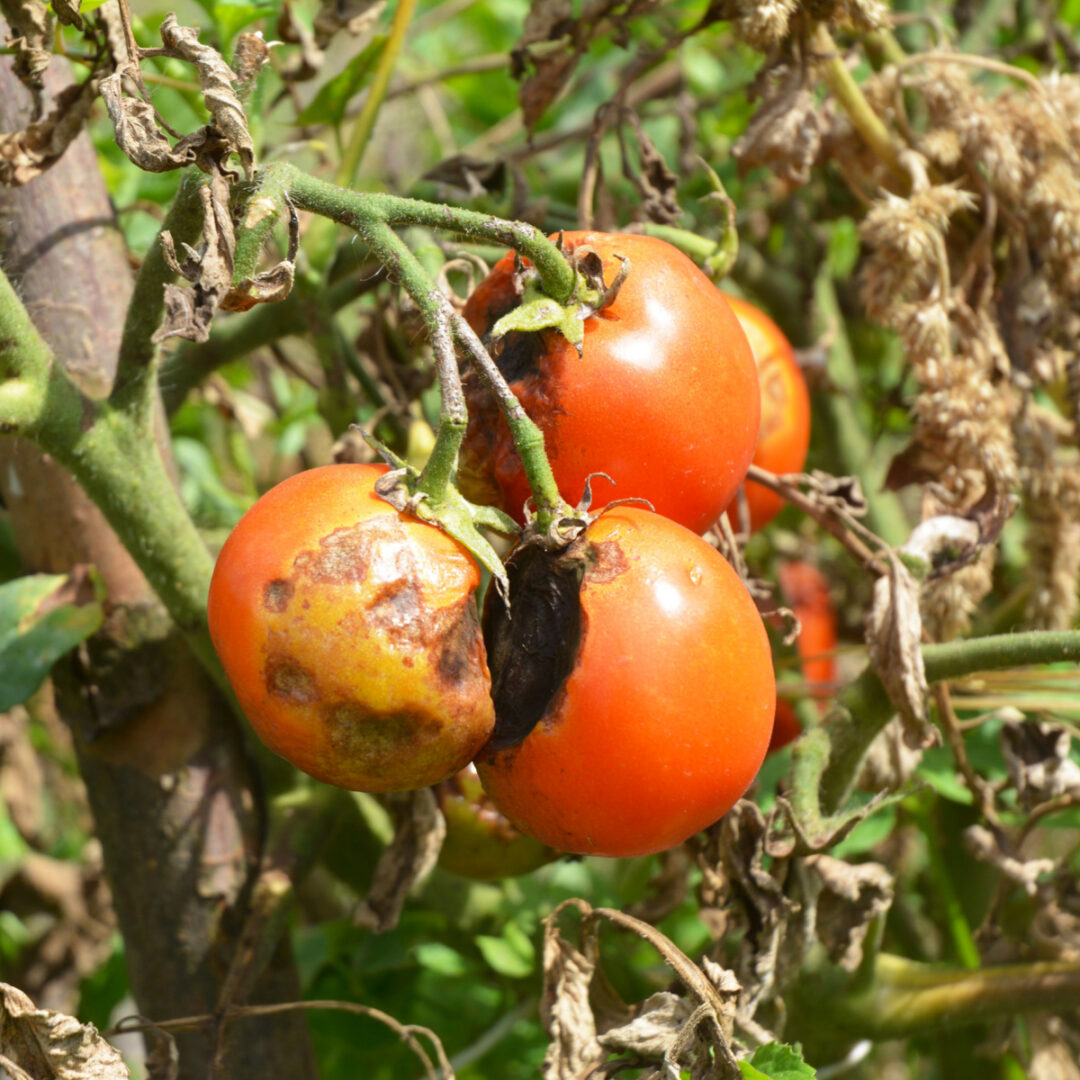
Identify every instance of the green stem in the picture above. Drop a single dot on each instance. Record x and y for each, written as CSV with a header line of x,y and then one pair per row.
x,y
135,369
557,277
885,516
852,100
438,315
365,121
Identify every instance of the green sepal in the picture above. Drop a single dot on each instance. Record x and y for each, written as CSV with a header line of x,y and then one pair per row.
x,y
537,311
454,514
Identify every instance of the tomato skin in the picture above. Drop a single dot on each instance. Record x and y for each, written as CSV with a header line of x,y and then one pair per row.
x,y
665,716
806,591
480,843
664,398
784,438
350,634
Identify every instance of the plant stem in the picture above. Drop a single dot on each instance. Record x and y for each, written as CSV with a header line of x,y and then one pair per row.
x,y
365,122
437,314
557,277
136,361
851,98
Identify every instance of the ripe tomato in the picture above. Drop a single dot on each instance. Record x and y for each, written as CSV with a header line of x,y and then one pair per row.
x,y
633,688
785,408
480,842
350,634
805,590
664,398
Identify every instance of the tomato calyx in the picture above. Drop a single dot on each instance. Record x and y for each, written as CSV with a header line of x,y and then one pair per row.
x,y
537,311
452,513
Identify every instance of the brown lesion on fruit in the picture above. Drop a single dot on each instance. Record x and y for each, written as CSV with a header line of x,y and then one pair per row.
x,y
606,562
350,554
460,643
277,594
285,678
359,733
398,607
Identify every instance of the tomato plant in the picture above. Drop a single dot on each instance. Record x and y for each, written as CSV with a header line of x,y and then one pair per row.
x,y
633,687
804,589
784,436
480,841
350,634
664,398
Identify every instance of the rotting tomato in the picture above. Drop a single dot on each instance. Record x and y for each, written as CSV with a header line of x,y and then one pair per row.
x,y
664,398
350,634
634,690
784,437
480,842
806,591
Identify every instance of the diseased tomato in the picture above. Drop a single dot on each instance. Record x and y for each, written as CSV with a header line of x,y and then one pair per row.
x,y
805,590
633,687
480,842
350,634
784,437
664,398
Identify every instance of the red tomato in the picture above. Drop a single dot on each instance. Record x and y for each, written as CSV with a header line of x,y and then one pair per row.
x,y
664,398
805,590
633,688
785,409
350,634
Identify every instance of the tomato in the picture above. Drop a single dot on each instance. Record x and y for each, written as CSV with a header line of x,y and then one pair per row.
x,y
664,398
784,437
805,590
633,687
480,842
350,634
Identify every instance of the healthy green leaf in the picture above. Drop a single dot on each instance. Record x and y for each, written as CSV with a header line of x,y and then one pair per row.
x,y
777,1061
37,626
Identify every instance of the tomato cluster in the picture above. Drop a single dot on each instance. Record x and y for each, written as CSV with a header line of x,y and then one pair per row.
x,y
622,697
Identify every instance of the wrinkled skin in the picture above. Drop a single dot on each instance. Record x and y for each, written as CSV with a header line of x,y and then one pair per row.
x,y
480,843
660,719
784,437
805,590
350,634
664,398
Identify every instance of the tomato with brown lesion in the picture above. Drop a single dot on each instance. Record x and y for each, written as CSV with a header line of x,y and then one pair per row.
x,y
350,634
633,688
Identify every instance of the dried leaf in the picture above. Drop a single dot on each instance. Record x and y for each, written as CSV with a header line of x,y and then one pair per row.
x,y
49,1044
984,845
269,286
1052,1058
28,153
550,24
1037,757
216,79
354,16
67,12
31,39
189,312
406,861
137,133
655,182
894,640
470,174
848,900
564,1009
654,1028
250,56
294,31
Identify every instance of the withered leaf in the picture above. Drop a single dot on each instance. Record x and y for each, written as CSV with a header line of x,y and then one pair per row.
x,y
984,845
894,642
138,135
549,25
216,79
847,900
28,153
564,1008
354,16
655,182
249,58
31,38
653,1029
410,856
47,1043
67,12
470,174
1037,757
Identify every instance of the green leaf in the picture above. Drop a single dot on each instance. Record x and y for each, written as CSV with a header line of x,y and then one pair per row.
x,y
37,626
329,104
777,1061
511,955
842,248
440,958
